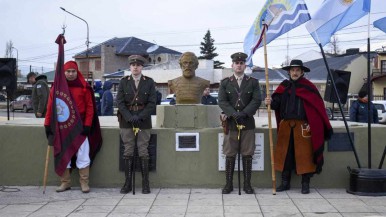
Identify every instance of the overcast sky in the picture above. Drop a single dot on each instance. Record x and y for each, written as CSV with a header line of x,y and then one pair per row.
x,y
180,25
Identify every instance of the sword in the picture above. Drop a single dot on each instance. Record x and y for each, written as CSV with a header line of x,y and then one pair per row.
x,y
135,130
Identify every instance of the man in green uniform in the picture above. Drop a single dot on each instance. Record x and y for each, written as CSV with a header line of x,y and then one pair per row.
x,y
136,99
40,93
239,98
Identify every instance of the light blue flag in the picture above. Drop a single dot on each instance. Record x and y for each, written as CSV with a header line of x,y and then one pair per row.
x,y
334,15
380,24
281,16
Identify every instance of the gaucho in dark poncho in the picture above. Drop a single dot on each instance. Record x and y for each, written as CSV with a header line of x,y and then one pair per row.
x,y
302,125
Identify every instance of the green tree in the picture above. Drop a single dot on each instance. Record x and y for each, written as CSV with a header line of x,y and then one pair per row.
x,y
208,50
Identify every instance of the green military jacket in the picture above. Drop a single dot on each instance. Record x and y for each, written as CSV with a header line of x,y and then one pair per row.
x,y
246,98
132,101
40,93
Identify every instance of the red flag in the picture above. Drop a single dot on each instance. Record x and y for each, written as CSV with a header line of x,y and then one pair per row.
x,y
64,119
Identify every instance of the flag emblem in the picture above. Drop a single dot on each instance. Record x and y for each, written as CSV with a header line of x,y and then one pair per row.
x,y
346,2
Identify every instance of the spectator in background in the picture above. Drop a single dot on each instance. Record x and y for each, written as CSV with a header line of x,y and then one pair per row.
x,y
40,93
207,99
107,100
159,97
98,93
359,112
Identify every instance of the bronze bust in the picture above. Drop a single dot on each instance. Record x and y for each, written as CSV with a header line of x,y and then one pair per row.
x,y
188,87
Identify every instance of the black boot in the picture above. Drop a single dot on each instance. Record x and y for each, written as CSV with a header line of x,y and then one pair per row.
x,y
127,187
306,183
145,175
229,169
285,181
247,171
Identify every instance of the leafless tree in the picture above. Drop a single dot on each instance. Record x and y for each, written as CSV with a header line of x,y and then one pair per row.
x,y
8,49
334,45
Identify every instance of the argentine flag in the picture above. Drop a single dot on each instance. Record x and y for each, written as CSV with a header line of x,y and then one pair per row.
x,y
334,15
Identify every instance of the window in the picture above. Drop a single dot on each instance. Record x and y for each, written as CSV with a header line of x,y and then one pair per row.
x,y
83,66
98,65
383,66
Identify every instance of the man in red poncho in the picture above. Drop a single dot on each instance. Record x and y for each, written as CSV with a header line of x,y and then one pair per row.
x,y
302,125
81,144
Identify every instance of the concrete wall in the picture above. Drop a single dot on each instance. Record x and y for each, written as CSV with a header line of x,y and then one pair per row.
x,y
23,149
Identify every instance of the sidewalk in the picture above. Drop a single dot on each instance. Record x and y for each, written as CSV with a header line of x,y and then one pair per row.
x,y
30,201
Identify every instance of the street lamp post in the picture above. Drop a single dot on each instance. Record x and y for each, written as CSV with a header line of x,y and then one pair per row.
x,y
87,41
17,70
17,59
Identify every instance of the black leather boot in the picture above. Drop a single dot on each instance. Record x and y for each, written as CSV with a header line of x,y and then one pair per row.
x,y
127,187
229,169
145,175
285,181
306,183
247,171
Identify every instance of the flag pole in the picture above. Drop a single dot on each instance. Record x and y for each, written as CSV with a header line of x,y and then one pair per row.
x,y
46,168
369,94
339,103
269,113
337,95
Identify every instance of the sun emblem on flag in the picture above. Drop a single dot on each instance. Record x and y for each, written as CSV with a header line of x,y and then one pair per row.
x,y
346,2
62,110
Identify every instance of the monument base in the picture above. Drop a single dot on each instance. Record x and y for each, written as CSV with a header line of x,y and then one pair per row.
x,y
188,116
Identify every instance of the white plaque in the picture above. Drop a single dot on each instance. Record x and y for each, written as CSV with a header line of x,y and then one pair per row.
x,y
191,142
258,157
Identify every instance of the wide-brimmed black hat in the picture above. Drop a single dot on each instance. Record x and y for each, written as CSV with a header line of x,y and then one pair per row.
x,y
296,63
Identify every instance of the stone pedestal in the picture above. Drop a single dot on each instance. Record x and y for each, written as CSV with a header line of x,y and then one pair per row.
x,y
188,116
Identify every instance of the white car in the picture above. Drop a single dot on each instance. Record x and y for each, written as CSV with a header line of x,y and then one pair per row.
x,y
169,100
381,107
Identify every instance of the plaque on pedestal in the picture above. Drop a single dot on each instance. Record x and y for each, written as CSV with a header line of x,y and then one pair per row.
x,y
187,142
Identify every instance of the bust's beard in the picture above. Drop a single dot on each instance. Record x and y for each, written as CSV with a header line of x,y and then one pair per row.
x,y
188,73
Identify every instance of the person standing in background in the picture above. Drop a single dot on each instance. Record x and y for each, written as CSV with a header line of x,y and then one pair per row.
x,y
107,100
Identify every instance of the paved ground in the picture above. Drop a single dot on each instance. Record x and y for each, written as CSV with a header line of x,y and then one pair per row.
x,y
30,201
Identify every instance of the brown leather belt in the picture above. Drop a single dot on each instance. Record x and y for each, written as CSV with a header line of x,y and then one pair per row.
x,y
135,107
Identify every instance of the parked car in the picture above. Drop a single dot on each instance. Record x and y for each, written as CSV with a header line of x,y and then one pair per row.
x,y
23,102
169,100
381,107
215,95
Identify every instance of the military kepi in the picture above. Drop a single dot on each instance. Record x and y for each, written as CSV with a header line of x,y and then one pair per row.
x,y
239,56
137,59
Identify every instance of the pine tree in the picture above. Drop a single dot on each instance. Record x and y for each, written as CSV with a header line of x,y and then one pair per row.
x,y
208,50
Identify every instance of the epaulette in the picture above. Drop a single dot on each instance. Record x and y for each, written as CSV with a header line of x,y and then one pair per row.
x,y
144,77
127,76
249,77
225,79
